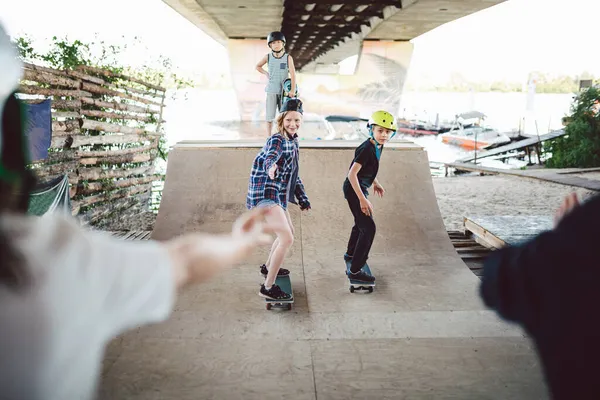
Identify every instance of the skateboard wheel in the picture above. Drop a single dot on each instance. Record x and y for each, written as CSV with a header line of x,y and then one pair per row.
x,y
371,290
268,306
289,307
351,289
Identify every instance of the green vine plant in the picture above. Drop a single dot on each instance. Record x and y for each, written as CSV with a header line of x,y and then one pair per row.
x,y
68,54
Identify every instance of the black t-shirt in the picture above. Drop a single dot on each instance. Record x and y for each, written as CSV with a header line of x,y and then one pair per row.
x,y
366,156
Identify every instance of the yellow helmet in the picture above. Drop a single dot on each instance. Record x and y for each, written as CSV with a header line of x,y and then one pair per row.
x,y
383,119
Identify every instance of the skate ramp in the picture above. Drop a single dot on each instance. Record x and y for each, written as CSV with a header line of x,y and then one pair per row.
x,y
423,333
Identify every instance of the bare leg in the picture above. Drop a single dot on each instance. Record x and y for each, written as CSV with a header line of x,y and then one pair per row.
x,y
285,238
276,242
269,127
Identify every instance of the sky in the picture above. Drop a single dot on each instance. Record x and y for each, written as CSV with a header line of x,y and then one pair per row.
x,y
504,42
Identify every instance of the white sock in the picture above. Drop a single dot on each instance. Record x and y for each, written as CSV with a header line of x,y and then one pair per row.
x,y
268,287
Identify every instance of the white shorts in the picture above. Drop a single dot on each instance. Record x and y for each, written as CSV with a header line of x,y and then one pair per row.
x,y
273,100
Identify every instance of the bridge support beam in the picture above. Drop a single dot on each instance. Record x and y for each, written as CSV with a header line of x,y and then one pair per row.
x,y
381,73
248,84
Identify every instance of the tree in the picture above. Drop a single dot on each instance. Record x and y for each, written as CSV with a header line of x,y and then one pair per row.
x,y
580,147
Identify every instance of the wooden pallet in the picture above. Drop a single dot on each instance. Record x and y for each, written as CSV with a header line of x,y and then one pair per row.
x,y
472,253
132,235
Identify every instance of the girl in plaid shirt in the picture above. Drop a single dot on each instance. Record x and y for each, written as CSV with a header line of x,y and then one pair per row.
x,y
274,181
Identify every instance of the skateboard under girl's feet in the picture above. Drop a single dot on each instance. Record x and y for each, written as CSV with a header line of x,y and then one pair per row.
x,y
285,284
359,285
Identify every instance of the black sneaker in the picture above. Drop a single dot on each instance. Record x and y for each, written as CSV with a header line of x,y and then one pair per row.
x,y
347,257
361,276
282,271
275,293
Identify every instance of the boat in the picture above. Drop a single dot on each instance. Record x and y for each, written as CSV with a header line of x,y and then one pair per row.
x,y
420,128
346,127
469,132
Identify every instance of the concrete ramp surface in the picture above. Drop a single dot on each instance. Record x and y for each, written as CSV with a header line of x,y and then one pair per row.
x,y
423,334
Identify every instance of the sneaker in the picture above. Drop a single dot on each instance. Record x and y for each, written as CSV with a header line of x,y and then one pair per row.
x,y
361,276
275,293
282,271
347,257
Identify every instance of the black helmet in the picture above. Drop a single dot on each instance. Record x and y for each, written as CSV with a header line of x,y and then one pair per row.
x,y
292,105
273,36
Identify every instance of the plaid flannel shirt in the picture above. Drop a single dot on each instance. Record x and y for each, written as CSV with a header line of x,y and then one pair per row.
x,y
281,151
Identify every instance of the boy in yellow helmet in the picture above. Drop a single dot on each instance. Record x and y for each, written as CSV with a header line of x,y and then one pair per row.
x,y
363,174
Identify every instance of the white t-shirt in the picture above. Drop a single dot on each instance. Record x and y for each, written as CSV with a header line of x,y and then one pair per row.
x,y
87,288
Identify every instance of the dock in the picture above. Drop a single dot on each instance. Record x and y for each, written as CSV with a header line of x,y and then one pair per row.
x,y
519,145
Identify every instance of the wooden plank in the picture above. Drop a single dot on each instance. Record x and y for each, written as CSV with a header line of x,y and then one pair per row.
x,y
472,256
71,73
481,233
112,128
502,230
125,77
98,213
118,234
126,158
50,78
84,140
478,249
468,243
469,240
101,173
147,235
129,235
28,89
119,152
65,114
474,168
116,105
139,235
91,87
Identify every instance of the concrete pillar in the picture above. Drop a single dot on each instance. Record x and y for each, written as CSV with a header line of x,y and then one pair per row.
x,y
377,82
382,69
248,84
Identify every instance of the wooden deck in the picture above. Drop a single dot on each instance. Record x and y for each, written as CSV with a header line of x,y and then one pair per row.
x,y
472,253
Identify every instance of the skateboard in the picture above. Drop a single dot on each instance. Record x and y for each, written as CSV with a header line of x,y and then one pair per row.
x,y
285,91
285,284
359,285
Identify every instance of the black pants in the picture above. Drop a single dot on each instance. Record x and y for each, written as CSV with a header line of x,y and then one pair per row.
x,y
363,232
